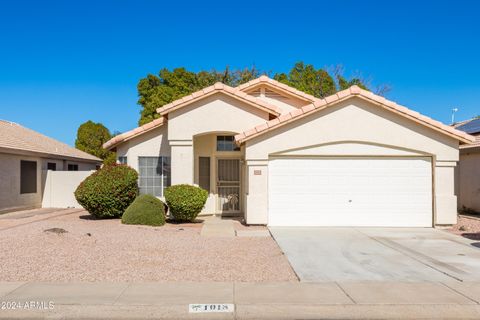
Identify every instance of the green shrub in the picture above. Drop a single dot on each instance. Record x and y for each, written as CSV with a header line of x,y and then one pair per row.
x,y
146,210
185,202
109,191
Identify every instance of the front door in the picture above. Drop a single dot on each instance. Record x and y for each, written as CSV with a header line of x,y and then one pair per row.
x,y
228,186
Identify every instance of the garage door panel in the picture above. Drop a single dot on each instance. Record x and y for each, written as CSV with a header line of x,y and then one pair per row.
x,y
350,192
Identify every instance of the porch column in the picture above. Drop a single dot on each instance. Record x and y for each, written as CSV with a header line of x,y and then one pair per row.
x,y
256,206
445,199
182,161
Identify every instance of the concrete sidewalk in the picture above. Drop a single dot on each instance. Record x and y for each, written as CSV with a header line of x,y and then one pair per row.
x,y
217,227
346,300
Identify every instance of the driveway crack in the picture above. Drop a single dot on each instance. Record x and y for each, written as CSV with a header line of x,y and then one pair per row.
x,y
345,292
456,291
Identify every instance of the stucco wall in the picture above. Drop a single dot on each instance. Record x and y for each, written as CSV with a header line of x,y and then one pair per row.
x,y
149,144
206,146
62,165
60,187
468,180
357,125
10,197
217,113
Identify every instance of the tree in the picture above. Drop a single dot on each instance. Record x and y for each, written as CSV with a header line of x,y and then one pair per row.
x,y
155,91
317,82
90,138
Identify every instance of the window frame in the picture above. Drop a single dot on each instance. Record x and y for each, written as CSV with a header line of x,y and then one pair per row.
x,y
52,164
122,160
228,142
26,176
164,178
72,167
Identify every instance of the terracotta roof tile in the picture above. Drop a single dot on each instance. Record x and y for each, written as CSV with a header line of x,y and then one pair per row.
x,y
343,94
273,122
474,144
319,103
275,84
331,98
16,137
219,87
285,117
133,133
357,91
308,108
261,127
296,112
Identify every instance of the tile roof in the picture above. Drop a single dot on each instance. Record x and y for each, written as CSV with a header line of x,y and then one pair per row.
x,y
16,137
474,144
278,85
320,104
133,133
219,88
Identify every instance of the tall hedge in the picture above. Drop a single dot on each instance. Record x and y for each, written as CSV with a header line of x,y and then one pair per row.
x,y
185,201
109,191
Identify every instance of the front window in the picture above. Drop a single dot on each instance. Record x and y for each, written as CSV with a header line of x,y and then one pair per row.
x,y
227,143
28,176
122,160
52,166
154,175
72,167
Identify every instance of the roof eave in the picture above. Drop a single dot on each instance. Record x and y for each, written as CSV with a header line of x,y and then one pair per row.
x,y
126,136
223,89
340,96
264,80
16,151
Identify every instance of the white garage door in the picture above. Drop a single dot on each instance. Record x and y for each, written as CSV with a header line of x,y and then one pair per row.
x,y
383,192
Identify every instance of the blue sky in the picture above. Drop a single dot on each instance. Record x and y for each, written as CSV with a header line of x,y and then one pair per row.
x,y
66,62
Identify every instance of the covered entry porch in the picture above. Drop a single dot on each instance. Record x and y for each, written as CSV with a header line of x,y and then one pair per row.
x,y
217,166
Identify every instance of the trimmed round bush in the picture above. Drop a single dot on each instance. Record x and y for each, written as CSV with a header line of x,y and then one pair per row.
x,y
185,201
146,210
108,192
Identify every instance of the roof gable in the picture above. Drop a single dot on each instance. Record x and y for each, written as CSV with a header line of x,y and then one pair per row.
x,y
222,89
276,86
343,95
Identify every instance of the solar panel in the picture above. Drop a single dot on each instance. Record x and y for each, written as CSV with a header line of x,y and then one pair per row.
x,y
470,127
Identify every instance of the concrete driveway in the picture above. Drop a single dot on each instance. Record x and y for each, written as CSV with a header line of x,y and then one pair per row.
x,y
378,254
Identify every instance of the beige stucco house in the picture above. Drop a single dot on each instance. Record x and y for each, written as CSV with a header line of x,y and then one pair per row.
x,y
25,158
468,171
280,157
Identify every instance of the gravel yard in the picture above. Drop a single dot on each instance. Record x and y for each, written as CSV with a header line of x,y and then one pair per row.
x,y
467,227
106,250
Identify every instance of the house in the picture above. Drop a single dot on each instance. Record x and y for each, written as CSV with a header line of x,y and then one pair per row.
x,y
25,158
468,173
281,157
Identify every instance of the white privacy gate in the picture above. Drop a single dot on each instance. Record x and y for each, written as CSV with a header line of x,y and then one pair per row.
x,y
341,191
60,186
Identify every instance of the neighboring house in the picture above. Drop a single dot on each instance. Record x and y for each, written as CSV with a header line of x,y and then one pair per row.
x,y
25,157
468,173
281,157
